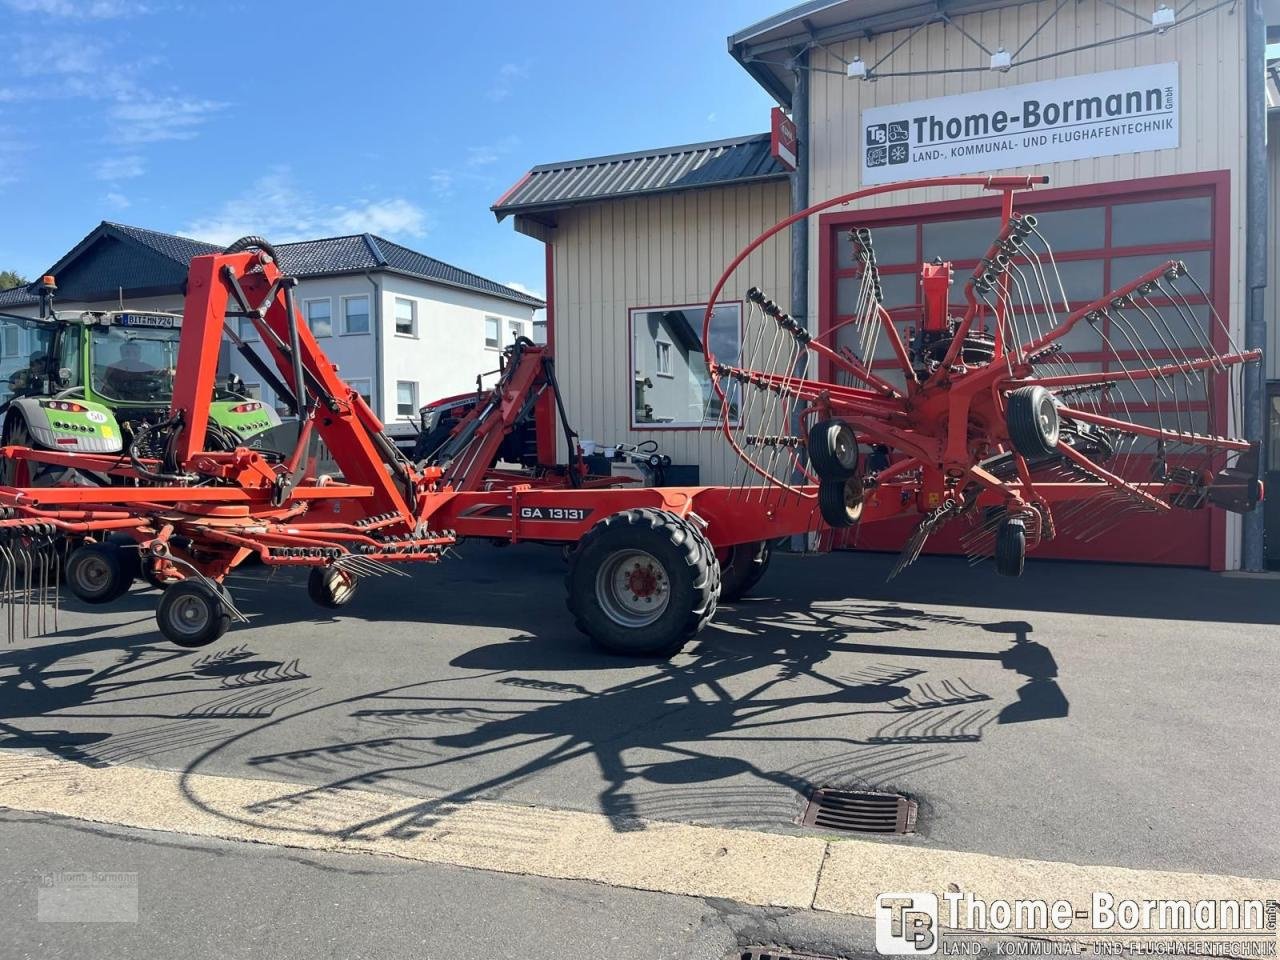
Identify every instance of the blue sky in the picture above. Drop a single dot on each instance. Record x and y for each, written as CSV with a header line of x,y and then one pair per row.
x,y
305,119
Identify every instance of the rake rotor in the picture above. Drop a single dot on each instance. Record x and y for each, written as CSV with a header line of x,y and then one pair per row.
x,y
1000,404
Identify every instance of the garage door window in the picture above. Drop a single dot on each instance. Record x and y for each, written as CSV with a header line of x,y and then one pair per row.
x,y
1099,244
671,385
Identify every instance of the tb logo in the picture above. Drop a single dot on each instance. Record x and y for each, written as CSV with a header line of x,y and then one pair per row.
x,y
907,923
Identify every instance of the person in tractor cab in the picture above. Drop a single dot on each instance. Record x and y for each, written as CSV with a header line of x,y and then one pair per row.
x,y
31,377
130,373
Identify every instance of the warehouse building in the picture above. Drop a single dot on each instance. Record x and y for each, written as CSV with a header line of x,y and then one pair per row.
x,y
1140,116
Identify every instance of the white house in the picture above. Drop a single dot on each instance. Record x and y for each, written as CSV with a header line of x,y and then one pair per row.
x,y
403,327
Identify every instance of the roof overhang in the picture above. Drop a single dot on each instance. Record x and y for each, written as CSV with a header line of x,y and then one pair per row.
x,y
765,48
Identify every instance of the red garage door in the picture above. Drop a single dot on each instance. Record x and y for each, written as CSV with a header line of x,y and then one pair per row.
x,y
1102,237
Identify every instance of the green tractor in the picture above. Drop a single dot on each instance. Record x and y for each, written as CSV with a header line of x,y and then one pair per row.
x,y
97,382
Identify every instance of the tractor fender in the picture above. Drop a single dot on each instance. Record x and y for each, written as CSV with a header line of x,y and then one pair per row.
x,y
245,423
72,426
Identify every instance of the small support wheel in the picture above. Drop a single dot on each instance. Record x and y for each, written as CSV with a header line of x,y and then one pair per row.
x,y
833,450
1011,547
643,582
192,614
331,587
1033,421
98,572
743,567
840,502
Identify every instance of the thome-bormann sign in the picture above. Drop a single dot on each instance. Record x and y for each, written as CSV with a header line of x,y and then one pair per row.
x,y
1095,115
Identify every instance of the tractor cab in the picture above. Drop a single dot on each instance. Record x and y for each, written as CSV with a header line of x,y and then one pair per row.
x,y
97,381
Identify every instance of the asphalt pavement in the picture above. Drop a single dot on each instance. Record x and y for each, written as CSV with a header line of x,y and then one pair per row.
x,y
1085,714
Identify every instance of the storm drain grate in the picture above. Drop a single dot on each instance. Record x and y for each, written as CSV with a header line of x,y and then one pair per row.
x,y
860,811
772,953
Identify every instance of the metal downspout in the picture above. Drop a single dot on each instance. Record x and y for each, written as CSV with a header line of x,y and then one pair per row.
x,y
1255,254
800,231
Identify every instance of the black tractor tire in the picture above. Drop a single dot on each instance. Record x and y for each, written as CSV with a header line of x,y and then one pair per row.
x,y
1032,418
331,587
743,568
192,614
1011,547
98,572
840,502
833,450
667,567
16,434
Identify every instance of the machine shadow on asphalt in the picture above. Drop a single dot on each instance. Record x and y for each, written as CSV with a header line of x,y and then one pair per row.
x,y
872,691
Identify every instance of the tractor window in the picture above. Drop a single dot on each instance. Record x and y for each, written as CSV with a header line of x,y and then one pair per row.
x,y
25,364
135,364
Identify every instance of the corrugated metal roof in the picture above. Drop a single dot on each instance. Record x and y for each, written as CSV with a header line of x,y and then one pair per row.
x,y
117,256
553,186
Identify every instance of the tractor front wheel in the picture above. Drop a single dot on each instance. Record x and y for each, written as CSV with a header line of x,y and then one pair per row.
x,y
192,614
16,434
99,572
643,582
331,587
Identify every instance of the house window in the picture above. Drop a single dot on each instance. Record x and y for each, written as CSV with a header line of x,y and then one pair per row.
x,y
664,358
406,317
406,398
248,331
517,330
364,387
671,385
355,315
320,317
12,343
492,333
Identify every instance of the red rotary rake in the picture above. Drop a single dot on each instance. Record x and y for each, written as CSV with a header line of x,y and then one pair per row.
x,y
984,412
177,508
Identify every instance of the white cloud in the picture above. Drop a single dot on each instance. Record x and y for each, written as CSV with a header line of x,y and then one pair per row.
x,y
274,207
145,119
77,9
441,183
120,168
488,153
508,77
116,200
524,288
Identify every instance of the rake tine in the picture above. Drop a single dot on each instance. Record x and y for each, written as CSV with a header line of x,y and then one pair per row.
x,y
8,589
57,588
26,594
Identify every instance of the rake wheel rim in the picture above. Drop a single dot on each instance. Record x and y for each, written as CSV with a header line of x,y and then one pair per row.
x,y
633,588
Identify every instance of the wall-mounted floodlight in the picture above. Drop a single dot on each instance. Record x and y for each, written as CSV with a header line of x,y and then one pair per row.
x,y
857,70
1001,60
1162,18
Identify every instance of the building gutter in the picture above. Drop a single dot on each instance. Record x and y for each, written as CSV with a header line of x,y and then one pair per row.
x,y
1257,202
376,319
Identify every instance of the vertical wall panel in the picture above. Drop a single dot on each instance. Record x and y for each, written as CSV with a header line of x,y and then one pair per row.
x,y
644,252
